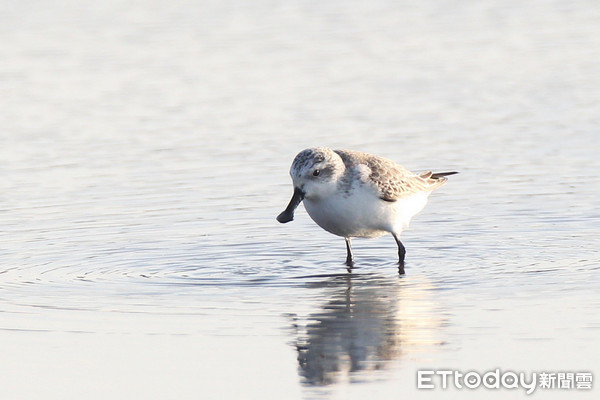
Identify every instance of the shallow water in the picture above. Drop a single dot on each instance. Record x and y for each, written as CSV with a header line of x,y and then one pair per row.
x,y
145,150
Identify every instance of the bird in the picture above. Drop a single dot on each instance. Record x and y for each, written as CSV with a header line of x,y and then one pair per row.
x,y
354,194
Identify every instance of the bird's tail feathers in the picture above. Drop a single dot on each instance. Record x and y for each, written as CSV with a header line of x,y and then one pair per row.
x,y
438,175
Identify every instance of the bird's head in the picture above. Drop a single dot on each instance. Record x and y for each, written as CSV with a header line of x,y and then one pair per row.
x,y
314,173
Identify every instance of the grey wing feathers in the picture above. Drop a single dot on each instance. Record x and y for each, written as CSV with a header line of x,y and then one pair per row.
x,y
400,186
391,180
394,182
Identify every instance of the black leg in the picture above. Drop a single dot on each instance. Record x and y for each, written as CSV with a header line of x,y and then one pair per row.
x,y
401,254
349,261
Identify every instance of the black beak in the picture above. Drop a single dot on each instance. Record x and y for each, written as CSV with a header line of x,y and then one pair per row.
x,y
288,214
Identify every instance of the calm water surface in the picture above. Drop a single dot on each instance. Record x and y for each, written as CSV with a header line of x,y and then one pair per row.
x,y
144,156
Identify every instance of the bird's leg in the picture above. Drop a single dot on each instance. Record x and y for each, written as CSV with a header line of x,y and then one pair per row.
x,y
349,261
401,254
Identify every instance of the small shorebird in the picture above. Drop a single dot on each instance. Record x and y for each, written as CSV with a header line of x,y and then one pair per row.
x,y
353,194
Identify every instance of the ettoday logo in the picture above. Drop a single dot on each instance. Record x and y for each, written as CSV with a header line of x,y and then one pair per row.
x,y
497,379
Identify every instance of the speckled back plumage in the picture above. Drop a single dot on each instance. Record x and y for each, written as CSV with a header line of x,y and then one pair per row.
x,y
392,181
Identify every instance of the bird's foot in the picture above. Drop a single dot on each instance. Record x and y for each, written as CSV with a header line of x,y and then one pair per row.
x,y
350,264
401,268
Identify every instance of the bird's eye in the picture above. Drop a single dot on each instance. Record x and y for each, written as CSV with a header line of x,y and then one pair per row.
x,y
316,172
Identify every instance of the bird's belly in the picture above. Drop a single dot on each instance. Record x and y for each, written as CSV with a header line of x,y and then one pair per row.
x,y
363,216
349,217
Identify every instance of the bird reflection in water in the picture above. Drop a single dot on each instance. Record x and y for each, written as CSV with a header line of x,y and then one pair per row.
x,y
366,322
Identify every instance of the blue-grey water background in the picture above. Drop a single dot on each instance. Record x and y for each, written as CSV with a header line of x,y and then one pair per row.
x,y
144,155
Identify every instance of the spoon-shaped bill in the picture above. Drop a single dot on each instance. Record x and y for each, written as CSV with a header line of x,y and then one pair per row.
x,y
288,214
